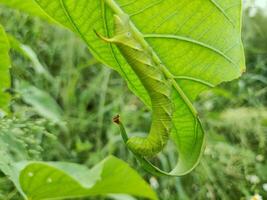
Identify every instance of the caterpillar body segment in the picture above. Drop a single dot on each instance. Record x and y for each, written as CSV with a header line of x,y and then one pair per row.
x,y
140,58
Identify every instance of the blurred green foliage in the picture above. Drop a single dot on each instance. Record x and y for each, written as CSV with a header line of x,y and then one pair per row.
x,y
83,96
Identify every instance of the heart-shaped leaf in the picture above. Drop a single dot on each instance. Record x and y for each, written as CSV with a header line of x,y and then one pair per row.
x,y
197,41
4,71
56,180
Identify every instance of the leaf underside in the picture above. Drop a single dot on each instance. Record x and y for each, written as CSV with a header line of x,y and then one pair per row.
x,y
198,41
4,71
28,6
40,180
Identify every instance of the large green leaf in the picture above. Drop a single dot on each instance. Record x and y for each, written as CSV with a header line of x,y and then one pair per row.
x,y
198,42
40,180
4,70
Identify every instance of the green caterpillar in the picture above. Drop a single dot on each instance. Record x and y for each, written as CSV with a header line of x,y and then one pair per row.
x,y
140,58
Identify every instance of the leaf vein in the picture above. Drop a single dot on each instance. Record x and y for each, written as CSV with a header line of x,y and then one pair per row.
x,y
220,8
190,40
147,7
195,80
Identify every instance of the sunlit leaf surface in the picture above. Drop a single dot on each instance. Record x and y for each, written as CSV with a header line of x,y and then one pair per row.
x,y
198,42
4,71
40,180
28,6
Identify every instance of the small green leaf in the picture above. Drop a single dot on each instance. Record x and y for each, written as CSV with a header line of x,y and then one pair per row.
x,y
29,53
4,71
40,180
41,101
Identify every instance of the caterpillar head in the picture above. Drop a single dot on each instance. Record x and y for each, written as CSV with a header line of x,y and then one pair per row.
x,y
123,34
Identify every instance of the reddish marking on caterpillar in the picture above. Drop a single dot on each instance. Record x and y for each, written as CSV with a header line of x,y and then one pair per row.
x,y
116,119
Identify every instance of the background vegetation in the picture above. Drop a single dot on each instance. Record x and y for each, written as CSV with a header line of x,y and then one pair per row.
x,y
73,98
